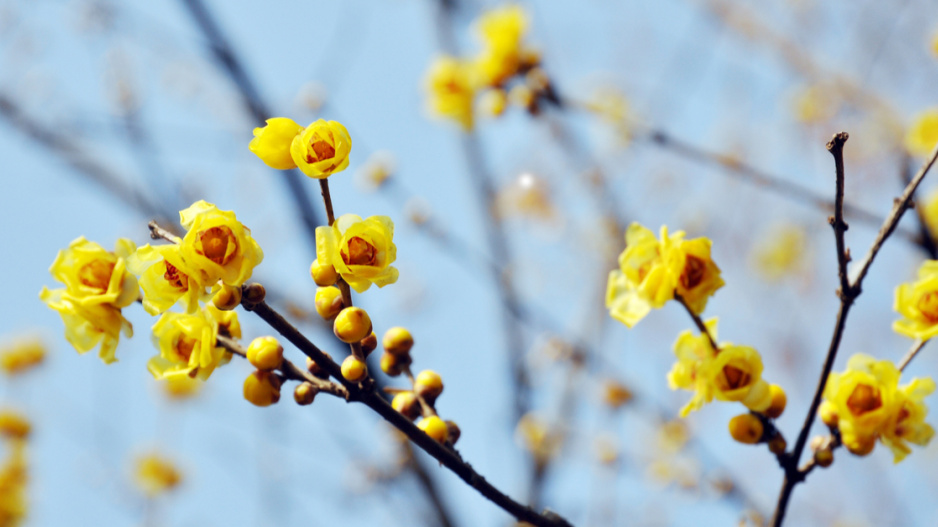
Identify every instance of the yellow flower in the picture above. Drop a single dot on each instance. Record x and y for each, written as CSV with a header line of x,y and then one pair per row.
x,y
13,425
731,373
272,142
922,137
86,327
361,251
22,355
917,302
780,252
501,31
94,276
155,474
862,401
451,88
187,346
697,277
928,207
180,387
13,480
907,424
217,245
322,149
166,278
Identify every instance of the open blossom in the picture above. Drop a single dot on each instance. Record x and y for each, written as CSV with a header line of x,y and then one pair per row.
x,y
451,87
361,251
501,32
651,271
922,136
97,285
319,150
217,246
166,278
187,345
866,403
917,302
730,373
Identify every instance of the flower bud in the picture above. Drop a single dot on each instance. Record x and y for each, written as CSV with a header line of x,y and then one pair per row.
x,y
392,365
615,394
254,293
369,343
13,425
434,427
265,353
453,431
262,388
428,385
328,302
353,369
227,298
828,413
323,275
315,369
777,445
272,143
397,341
304,393
352,324
746,428
407,404
493,102
824,457
779,400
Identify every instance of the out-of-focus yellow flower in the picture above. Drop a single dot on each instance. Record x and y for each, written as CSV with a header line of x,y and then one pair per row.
x,y
928,208
651,271
166,278
535,435
615,394
501,31
672,436
917,302
527,195
95,276
322,149
451,89
187,346
934,44
14,425
13,480
154,474
814,104
732,373
272,142
180,387
86,327
780,252
866,403
217,245
922,136
22,355
377,169
611,105
361,251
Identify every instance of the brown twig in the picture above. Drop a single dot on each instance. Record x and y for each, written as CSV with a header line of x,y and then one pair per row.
x,y
836,147
911,354
848,294
426,409
704,330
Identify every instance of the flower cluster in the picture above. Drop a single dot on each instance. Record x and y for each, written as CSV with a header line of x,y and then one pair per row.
x,y
97,286
319,150
456,85
653,271
866,403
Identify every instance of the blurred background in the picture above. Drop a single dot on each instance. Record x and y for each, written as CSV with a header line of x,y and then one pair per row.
x,y
705,115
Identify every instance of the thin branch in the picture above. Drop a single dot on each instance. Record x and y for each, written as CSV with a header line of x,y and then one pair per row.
x,y
911,354
926,236
704,330
836,147
426,409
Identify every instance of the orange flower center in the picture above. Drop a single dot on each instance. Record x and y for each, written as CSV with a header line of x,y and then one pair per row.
x,y
319,150
360,252
174,277
218,244
735,377
96,274
928,306
693,274
863,399
184,347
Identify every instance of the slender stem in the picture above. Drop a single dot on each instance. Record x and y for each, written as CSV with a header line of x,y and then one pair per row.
x,y
704,330
911,354
426,409
836,147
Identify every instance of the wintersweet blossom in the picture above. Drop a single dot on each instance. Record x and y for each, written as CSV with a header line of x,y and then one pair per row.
x,y
21,355
217,246
166,278
917,302
272,142
451,87
154,474
361,251
866,403
187,345
13,480
319,150
922,136
501,32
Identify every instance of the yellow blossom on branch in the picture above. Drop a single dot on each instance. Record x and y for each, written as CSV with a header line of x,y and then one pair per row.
x,y
319,150
156,475
22,355
361,251
272,143
501,32
217,245
922,136
187,345
866,403
451,87
917,302
166,278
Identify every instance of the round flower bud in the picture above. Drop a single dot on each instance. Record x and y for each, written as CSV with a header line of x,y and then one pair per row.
x,y
824,457
13,425
262,388
860,445
777,445
328,302
304,393
353,369
369,343
493,102
615,394
828,414
434,427
428,385
323,275
265,353
779,400
397,341
227,298
392,364
254,293
352,324
407,404
453,431
746,428
315,369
